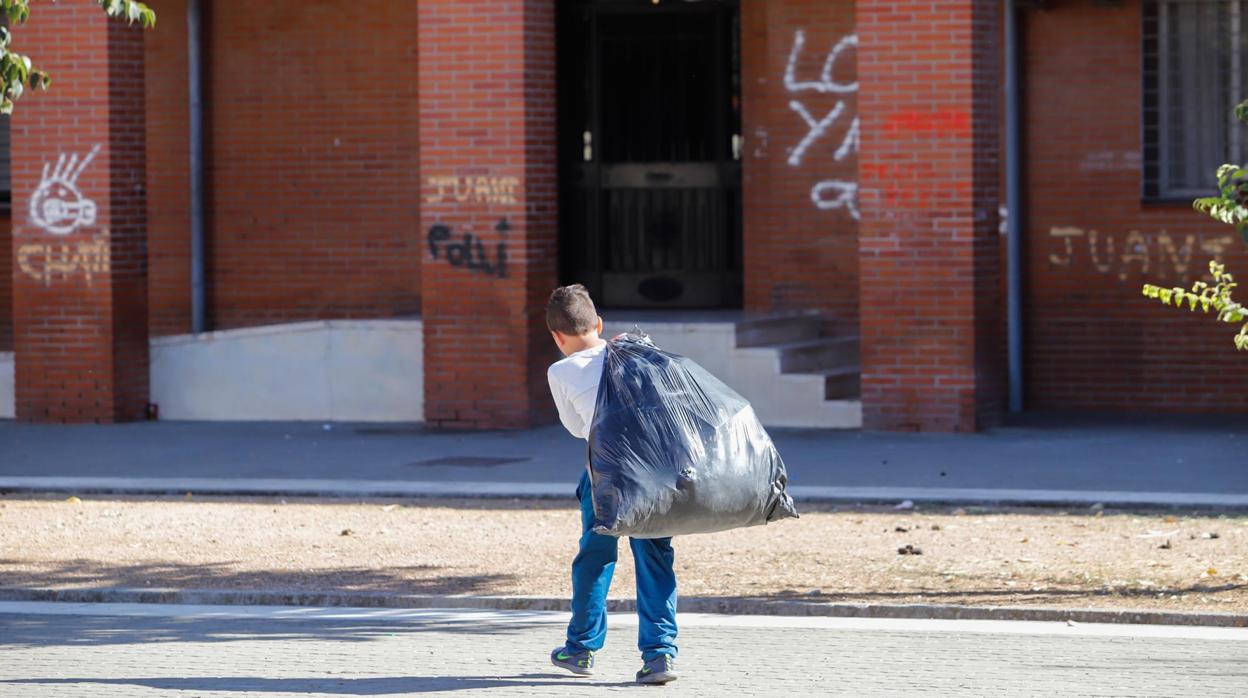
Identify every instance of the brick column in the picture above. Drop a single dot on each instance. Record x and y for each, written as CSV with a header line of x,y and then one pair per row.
x,y
932,343
79,221
487,160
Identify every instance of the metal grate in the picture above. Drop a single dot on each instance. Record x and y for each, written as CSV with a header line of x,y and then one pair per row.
x,y
649,134
1195,71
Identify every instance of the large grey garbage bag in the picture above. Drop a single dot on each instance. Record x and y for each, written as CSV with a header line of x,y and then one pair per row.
x,y
672,450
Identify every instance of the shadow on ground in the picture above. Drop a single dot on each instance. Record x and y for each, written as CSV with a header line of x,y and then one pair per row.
x,y
377,686
32,631
95,574
1003,597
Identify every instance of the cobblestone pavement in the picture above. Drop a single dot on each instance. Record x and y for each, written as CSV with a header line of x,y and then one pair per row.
x,y
70,650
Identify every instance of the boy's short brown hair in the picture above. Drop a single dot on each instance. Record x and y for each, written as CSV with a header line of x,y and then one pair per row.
x,y
571,311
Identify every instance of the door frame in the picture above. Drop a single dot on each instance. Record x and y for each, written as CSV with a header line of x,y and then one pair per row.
x,y
586,14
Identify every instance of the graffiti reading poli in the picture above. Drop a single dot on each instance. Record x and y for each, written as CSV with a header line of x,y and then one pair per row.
x,y
470,252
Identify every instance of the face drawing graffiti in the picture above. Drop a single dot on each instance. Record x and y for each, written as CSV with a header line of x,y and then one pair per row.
x,y
57,205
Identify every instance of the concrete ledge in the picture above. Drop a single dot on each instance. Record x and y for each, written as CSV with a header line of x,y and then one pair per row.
x,y
413,324
732,606
8,395
336,370
562,490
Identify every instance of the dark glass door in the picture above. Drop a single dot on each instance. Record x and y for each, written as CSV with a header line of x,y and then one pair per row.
x,y
649,152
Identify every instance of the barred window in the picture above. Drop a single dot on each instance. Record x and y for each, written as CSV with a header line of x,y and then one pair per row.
x,y
1195,72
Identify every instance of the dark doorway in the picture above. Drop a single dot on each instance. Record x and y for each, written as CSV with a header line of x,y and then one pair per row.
x,y
649,151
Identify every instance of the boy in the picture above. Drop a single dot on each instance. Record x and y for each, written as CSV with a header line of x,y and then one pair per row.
x,y
575,326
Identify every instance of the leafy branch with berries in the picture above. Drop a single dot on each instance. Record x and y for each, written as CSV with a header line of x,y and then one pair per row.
x,y
1216,298
1230,206
17,70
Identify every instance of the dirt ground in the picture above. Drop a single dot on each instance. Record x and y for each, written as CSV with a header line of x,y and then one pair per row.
x,y
982,556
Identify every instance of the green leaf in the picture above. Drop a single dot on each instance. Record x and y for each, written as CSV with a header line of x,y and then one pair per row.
x,y
17,71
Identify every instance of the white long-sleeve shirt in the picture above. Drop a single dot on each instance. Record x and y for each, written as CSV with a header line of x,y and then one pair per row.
x,y
574,386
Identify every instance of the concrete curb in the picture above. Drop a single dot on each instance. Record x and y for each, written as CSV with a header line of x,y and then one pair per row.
x,y
730,606
289,487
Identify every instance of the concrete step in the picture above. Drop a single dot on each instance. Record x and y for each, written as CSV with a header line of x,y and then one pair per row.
x,y
843,383
818,355
773,330
780,399
789,399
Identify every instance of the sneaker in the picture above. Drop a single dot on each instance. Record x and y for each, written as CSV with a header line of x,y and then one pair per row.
x,y
580,663
661,669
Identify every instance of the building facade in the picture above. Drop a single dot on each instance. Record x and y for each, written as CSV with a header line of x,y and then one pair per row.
x,y
829,178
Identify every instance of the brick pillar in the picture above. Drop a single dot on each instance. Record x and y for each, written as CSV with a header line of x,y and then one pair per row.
x,y
932,341
488,216
79,221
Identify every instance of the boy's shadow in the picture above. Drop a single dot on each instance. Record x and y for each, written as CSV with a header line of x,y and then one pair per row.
x,y
336,686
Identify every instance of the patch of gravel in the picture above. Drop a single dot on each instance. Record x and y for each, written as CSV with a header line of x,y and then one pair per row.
x,y
1086,558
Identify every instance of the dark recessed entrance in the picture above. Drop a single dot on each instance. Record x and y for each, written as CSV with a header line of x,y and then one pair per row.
x,y
649,148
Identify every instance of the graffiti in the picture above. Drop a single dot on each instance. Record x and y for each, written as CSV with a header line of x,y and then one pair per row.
x,y
47,262
58,206
478,190
470,252
817,129
760,138
1108,160
1137,253
842,195
827,83
827,194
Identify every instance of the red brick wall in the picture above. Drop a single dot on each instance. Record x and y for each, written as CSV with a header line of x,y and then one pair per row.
x,y
6,282
487,140
799,254
168,171
1093,341
314,188
127,221
80,320
929,168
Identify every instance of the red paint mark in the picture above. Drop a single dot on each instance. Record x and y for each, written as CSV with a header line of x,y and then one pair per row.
x,y
952,121
918,185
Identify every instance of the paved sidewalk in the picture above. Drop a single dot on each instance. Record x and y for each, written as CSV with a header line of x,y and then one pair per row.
x,y
1183,461
67,650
